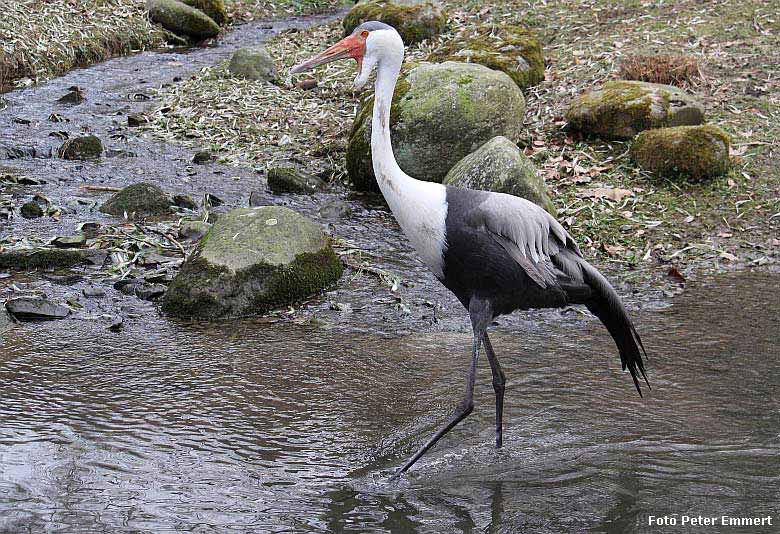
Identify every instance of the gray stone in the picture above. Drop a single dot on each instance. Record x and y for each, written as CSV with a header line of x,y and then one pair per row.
x,y
283,180
441,113
252,260
253,63
149,291
203,157
74,96
137,119
94,292
70,241
501,167
335,209
81,148
621,109
35,308
138,201
193,230
185,201
31,210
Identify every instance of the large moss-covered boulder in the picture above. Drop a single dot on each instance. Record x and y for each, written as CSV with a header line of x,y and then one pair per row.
x,y
621,109
511,49
215,9
501,167
85,147
253,63
138,201
440,114
415,20
182,19
697,152
250,261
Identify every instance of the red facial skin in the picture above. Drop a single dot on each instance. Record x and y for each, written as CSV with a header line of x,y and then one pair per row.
x,y
353,46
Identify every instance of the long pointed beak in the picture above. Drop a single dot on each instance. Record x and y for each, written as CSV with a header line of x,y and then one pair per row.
x,y
346,48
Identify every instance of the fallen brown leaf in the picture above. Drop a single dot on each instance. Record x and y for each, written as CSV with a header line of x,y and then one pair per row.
x,y
676,275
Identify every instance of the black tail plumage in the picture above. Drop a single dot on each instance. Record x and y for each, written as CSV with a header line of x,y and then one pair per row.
x,y
607,306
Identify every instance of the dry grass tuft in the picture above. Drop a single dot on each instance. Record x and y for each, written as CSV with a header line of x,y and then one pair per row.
x,y
665,69
249,10
43,39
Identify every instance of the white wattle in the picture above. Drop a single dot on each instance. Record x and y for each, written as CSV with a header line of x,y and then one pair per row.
x,y
419,207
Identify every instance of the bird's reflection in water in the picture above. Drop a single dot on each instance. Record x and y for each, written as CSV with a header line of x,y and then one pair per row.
x,y
622,517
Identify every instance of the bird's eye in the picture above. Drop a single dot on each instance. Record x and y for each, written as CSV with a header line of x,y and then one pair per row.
x,y
364,34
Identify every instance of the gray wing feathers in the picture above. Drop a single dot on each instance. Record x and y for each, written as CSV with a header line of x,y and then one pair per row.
x,y
529,234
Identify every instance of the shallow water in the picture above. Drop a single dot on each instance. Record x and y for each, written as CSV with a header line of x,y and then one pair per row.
x,y
250,426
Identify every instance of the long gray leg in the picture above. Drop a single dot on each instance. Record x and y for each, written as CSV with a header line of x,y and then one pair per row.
x,y
498,386
480,313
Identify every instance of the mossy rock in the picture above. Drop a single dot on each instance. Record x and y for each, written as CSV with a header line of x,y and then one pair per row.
x,y
193,230
35,308
253,63
41,258
501,167
511,49
82,148
621,109
182,19
138,201
251,261
283,180
215,9
697,152
440,114
31,210
415,20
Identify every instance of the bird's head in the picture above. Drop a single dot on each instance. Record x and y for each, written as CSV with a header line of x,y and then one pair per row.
x,y
369,44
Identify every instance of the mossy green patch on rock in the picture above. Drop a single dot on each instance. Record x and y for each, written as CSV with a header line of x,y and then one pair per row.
x,y
138,201
621,109
253,63
501,167
41,258
81,148
252,260
415,20
511,49
697,152
440,113
31,210
215,9
182,19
